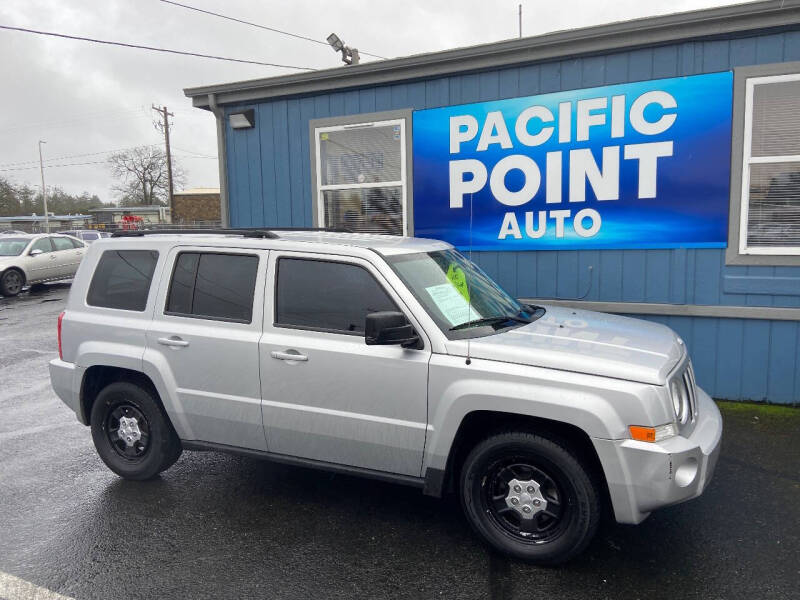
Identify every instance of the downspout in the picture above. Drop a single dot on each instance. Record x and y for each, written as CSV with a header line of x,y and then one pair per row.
x,y
222,160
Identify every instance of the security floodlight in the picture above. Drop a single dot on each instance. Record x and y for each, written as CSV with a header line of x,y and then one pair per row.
x,y
335,42
349,55
243,120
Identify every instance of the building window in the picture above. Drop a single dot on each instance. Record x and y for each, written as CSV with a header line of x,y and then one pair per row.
x,y
770,201
361,182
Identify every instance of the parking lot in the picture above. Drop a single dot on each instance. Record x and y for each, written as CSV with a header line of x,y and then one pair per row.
x,y
220,526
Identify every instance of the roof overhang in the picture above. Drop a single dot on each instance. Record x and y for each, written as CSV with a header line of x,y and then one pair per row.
x,y
651,31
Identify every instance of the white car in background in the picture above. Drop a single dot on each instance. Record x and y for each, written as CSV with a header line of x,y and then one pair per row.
x,y
26,259
86,235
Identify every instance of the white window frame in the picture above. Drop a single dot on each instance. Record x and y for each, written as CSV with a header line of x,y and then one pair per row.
x,y
402,182
748,159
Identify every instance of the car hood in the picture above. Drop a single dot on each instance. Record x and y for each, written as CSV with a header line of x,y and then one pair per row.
x,y
588,342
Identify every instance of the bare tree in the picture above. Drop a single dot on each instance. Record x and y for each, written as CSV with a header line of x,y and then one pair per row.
x,y
143,178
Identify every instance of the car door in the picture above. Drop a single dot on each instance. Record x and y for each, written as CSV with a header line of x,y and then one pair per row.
x,y
68,255
40,262
339,400
204,335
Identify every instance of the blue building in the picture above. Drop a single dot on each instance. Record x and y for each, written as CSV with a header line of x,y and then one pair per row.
x,y
648,168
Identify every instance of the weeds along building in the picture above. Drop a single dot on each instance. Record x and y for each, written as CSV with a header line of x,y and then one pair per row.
x,y
648,168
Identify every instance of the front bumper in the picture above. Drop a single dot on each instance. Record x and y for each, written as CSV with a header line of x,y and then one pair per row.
x,y
643,476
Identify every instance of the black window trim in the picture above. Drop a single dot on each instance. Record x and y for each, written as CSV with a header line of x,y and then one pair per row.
x,y
206,317
277,325
149,287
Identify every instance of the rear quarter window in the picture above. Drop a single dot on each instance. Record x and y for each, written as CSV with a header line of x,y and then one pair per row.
x,y
122,279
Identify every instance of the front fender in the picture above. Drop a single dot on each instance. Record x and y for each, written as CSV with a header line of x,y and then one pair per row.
x,y
599,406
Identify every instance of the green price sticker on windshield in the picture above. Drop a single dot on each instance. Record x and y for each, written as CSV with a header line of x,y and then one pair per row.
x,y
456,276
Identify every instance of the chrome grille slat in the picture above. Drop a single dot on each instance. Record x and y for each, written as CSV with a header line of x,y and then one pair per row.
x,y
684,378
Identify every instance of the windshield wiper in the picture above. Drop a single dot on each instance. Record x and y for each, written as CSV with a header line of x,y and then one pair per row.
x,y
490,320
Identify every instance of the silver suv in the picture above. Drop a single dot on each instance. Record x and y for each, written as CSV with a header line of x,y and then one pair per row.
x,y
388,357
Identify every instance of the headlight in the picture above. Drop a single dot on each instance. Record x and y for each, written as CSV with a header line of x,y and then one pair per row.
x,y
675,394
680,400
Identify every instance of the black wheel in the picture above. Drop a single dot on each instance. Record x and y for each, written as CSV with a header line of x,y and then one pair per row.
x,y
528,497
131,432
11,282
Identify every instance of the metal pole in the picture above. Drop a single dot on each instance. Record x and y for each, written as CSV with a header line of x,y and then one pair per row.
x,y
44,190
520,20
165,114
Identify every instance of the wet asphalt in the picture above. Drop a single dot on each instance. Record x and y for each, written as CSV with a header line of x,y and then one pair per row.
x,y
221,526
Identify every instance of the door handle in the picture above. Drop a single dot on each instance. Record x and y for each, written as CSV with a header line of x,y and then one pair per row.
x,y
174,342
289,355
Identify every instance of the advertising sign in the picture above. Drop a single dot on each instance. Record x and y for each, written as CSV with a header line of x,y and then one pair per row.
x,y
635,165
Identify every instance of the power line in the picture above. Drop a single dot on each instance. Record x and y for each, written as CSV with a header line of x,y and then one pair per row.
x,y
294,35
96,162
153,48
204,155
27,162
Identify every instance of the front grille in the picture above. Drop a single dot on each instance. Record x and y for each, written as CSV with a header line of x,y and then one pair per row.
x,y
684,380
691,388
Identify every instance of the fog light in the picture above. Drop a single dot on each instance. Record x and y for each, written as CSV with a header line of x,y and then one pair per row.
x,y
685,474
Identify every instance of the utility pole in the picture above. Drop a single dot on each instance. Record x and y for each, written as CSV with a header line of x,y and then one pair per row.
x,y
162,111
44,190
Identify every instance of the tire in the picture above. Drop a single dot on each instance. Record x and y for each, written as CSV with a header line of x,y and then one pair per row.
x,y
563,505
11,282
151,444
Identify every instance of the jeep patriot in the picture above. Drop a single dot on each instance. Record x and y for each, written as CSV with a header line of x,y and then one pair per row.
x,y
389,357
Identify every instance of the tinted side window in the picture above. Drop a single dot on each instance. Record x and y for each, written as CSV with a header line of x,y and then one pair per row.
x,y
42,244
182,287
122,279
327,295
62,243
217,286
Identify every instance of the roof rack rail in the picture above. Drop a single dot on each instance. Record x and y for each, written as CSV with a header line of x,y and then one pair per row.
x,y
312,229
264,233
251,233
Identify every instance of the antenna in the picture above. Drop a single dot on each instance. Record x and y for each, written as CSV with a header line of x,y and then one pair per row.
x,y
469,293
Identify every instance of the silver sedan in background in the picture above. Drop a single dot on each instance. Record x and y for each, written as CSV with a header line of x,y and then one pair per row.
x,y
26,259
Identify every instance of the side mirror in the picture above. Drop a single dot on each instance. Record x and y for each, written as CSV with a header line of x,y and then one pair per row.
x,y
35,252
389,328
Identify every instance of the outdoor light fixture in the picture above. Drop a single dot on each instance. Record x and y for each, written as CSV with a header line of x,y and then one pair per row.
x,y
335,42
243,120
349,55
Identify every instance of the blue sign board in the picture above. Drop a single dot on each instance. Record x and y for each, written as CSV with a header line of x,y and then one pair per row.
x,y
635,165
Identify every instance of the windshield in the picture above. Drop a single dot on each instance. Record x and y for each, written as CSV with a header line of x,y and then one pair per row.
x,y
458,295
12,246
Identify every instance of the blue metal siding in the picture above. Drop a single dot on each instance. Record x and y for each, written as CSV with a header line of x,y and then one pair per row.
x,y
269,177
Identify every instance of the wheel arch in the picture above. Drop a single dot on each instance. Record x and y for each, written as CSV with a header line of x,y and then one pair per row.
x,y
17,268
97,377
478,425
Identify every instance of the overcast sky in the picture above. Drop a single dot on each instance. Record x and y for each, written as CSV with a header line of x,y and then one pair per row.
x,y
85,99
